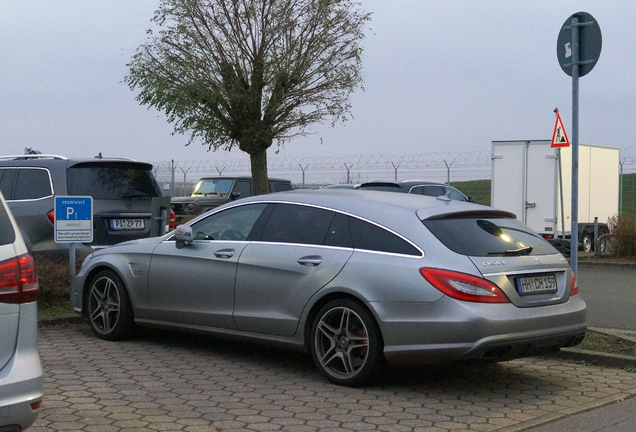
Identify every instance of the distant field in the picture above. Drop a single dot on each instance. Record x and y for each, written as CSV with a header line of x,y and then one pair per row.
x,y
479,190
628,202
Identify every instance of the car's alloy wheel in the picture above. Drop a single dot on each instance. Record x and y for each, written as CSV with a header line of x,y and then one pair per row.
x,y
109,307
346,343
587,243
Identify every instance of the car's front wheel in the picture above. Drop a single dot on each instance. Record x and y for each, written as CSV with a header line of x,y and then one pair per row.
x,y
346,343
109,308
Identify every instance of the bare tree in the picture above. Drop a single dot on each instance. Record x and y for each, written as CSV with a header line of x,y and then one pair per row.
x,y
249,73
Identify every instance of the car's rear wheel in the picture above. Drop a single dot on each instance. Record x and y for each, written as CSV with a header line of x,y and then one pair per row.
x,y
346,343
109,308
588,245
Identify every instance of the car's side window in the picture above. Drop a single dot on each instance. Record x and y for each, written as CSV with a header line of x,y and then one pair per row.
x,y
290,223
368,236
6,182
433,190
417,190
453,194
32,183
244,188
339,233
231,224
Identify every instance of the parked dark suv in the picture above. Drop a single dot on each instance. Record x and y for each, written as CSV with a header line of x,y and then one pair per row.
x,y
211,192
122,191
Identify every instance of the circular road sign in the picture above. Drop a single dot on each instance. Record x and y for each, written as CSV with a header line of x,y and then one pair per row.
x,y
590,43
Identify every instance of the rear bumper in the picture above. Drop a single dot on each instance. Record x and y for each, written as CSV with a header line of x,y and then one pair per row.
x,y
450,330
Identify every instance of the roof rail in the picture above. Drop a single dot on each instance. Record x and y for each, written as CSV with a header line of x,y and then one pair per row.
x,y
33,156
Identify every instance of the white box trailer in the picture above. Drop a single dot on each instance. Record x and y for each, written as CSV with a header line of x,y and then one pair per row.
x,y
525,181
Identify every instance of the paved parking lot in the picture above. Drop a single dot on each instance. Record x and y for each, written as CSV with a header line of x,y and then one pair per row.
x,y
169,381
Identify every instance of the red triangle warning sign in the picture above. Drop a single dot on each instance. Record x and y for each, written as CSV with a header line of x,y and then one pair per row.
x,y
559,136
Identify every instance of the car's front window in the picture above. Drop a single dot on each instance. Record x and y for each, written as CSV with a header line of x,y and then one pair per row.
x,y
213,186
112,181
231,224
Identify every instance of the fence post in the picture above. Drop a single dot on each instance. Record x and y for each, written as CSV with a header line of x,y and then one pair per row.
x,y
395,168
172,168
348,172
184,180
303,170
448,167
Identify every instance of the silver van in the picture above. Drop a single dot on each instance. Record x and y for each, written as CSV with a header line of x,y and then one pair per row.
x,y
21,381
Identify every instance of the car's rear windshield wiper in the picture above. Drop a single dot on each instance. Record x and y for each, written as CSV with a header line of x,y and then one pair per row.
x,y
514,252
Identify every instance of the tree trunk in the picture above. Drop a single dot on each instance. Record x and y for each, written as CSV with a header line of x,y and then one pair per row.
x,y
258,161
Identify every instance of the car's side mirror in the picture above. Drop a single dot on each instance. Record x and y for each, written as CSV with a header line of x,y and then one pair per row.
x,y
235,195
182,236
471,199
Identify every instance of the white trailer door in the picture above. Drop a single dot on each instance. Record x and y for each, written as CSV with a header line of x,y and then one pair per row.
x,y
508,166
524,182
541,188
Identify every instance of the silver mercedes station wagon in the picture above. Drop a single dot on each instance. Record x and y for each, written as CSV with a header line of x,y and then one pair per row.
x,y
357,278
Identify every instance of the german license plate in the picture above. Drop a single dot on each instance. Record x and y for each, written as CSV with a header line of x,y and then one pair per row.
x,y
126,224
536,284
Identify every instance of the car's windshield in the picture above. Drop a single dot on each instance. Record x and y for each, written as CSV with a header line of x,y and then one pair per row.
x,y
488,236
212,186
112,181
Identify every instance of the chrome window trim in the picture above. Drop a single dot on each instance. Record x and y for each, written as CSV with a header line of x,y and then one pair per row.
x,y
422,253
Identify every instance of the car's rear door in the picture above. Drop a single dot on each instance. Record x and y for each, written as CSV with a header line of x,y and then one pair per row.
x,y
278,274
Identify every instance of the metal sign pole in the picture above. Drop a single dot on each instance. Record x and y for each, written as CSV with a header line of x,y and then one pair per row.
x,y
574,227
561,196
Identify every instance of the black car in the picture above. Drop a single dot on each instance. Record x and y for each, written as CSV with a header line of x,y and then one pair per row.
x,y
211,192
122,192
418,187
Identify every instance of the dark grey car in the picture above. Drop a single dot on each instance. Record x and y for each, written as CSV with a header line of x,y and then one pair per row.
x,y
418,187
354,277
122,191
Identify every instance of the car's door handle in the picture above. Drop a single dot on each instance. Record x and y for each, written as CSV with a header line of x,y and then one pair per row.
x,y
311,260
224,253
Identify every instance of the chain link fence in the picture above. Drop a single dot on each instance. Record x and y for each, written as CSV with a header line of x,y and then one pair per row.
x,y
470,172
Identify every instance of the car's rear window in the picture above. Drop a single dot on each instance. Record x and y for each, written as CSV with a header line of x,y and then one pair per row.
x,y
487,235
112,181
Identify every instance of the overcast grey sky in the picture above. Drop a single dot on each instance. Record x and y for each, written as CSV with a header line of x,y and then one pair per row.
x,y
445,75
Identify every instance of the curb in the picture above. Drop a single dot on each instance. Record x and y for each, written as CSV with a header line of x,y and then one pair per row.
x,y
597,358
60,320
586,263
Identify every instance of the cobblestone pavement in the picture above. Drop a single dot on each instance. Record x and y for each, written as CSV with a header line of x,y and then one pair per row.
x,y
169,381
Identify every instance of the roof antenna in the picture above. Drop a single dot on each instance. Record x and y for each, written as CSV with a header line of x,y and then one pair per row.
x,y
99,156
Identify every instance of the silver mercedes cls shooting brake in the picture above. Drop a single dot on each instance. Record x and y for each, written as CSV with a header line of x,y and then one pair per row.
x,y
357,278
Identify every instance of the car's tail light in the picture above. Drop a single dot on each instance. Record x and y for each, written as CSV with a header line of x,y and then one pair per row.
x,y
51,216
463,286
574,286
172,219
18,280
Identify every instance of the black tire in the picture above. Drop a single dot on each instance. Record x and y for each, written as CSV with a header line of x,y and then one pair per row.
x,y
346,343
588,242
109,309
